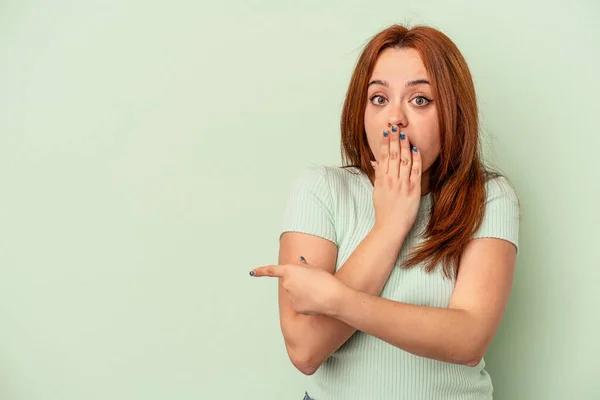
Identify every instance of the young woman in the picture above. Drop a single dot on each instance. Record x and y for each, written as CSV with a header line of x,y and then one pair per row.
x,y
395,269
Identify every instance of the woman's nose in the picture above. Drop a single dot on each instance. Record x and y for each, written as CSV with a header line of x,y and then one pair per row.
x,y
397,117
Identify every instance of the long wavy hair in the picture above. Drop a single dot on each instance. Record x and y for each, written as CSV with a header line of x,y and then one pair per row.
x,y
458,176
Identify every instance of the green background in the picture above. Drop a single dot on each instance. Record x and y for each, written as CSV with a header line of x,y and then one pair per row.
x,y
146,149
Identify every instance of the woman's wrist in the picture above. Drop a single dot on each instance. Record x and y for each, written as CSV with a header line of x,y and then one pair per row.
x,y
341,301
389,232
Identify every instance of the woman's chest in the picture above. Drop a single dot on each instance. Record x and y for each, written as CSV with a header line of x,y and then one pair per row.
x,y
413,285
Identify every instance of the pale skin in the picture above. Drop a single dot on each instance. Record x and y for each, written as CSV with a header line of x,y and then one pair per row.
x,y
320,308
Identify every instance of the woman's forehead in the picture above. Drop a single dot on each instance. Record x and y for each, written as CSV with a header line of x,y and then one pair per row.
x,y
399,66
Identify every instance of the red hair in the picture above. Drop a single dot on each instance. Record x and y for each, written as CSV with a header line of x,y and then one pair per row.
x,y
458,176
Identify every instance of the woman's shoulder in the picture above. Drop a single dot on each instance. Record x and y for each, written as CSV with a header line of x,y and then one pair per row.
x,y
502,211
498,187
335,178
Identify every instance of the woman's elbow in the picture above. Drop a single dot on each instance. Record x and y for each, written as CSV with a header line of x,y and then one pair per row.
x,y
304,361
472,355
473,362
306,369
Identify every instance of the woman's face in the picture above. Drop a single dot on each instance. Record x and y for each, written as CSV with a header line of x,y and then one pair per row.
x,y
399,94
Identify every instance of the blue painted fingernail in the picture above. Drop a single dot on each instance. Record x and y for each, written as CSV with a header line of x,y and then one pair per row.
x,y
415,149
394,129
251,273
402,136
302,258
385,134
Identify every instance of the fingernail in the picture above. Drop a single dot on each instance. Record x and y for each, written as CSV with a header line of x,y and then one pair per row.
x,y
394,129
251,273
385,134
302,258
415,149
402,136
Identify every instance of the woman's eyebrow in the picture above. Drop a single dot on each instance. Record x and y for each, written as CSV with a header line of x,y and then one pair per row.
x,y
408,83
417,82
378,82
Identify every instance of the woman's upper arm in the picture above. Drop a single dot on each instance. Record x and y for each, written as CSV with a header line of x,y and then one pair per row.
x,y
318,252
308,227
484,284
487,264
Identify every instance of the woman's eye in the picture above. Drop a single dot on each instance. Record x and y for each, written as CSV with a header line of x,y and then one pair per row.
x,y
420,101
378,100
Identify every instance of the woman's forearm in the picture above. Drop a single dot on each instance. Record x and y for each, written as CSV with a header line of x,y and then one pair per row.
x,y
444,334
369,267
